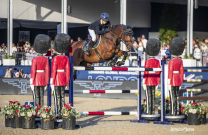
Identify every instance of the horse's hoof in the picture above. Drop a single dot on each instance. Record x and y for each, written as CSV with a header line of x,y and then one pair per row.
x,y
120,63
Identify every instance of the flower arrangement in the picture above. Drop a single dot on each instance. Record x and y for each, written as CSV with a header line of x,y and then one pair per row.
x,y
45,113
68,110
167,104
13,109
28,111
194,108
144,105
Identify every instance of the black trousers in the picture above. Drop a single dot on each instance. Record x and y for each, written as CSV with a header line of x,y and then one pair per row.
x,y
59,98
174,99
39,95
150,99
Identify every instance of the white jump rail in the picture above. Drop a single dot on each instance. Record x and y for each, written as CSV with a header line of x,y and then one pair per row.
x,y
116,69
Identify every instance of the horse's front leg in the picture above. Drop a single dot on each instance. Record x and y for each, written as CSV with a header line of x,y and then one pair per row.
x,y
120,63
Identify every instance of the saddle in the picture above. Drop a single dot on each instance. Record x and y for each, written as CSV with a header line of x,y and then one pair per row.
x,y
88,40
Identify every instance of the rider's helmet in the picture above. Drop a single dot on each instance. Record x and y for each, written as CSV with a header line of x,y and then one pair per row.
x,y
104,17
42,43
177,46
153,47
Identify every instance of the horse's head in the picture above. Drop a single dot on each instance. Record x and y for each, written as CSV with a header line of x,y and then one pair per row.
x,y
127,36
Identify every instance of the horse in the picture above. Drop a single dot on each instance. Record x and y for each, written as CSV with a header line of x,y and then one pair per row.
x,y
108,49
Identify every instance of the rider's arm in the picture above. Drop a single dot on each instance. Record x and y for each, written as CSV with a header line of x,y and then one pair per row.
x,y
100,32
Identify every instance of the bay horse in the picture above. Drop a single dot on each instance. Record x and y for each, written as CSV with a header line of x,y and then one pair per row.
x,y
108,49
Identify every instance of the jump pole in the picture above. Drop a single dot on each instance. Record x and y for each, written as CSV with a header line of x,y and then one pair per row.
x,y
49,86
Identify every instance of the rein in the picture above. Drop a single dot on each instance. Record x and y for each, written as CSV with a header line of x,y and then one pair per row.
x,y
120,39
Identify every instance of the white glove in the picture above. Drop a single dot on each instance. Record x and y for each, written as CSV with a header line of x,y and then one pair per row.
x,y
66,87
179,87
45,88
144,87
169,87
52,88
32,87
156,87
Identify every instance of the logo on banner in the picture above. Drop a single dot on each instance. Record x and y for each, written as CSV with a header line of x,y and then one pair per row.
x,y
98,85
23,84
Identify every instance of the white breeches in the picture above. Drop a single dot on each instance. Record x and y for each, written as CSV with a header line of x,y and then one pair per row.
x,y
92,34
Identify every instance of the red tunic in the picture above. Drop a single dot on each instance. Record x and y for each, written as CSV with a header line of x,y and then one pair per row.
x,y
60,73
151,79
175,72
39,71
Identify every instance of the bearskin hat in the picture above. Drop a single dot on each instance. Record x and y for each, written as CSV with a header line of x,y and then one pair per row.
x,y
62,43
153,47
177,46
42,43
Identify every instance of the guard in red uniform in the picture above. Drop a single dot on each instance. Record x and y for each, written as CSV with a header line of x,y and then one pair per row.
x,y
151,78
175,73
40,69
60,72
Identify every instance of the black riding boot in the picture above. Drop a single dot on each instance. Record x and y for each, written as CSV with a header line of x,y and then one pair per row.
x,y
88,51
153,100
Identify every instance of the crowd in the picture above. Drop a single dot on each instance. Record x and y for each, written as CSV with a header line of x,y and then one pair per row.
x,y
14,74
23,49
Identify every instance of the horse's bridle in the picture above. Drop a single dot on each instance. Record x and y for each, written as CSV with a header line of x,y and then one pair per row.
x,y
120,40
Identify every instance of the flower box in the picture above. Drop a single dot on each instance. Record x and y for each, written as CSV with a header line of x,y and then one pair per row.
x,y
16,122
47,124
9,62
7,121
189,62
69,123
204,120
193,119
28,124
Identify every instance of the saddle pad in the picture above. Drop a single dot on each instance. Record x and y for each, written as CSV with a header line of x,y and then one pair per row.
x,y
86,44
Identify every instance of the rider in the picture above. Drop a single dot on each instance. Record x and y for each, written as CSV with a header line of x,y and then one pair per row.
x,y
99,27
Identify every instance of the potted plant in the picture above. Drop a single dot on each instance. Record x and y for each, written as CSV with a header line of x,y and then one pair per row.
x,y
11,113
193,112
28,116
8,60
69,115
47,117
203,111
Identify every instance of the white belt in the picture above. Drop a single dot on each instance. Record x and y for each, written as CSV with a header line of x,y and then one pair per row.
x,y
152,72
175,71
40,71
60,70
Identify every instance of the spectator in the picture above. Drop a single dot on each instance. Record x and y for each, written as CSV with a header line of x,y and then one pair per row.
x,y
144,41
27,50
168,54
72,41
140,44
27,44
14,49
15,74
32,51
52,43
79,39
203,48
8,73
197,55
21,73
